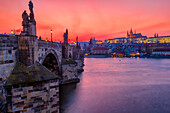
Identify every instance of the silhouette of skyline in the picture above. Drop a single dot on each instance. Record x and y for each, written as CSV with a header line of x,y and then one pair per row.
x,y
102,19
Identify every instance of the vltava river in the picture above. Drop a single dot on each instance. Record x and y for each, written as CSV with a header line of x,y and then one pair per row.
x,y
121,85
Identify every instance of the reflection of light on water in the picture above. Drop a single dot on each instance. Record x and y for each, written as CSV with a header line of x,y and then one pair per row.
x,y
145,57
121,82
86,54
138,58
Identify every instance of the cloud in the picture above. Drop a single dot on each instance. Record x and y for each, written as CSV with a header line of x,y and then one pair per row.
x,y
156,26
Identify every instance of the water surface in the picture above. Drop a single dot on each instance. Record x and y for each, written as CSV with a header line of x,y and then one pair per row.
x,y
121,85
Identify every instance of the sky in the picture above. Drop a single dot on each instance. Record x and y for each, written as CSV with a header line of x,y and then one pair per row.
x,y
102,19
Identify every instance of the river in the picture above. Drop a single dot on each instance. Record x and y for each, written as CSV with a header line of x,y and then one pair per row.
x,y
120,85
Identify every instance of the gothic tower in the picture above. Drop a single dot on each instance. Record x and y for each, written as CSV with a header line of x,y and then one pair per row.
x,y
65,45
66,37
131,33
77,43
127,34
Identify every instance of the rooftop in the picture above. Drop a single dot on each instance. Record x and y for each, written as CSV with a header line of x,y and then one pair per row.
x,y
22,74
161,49
100,48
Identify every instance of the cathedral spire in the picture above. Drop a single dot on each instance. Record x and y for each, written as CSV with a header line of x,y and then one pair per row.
x,y
131,31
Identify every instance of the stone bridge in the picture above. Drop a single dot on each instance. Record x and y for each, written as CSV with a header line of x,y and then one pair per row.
x,y
31,69
30,50
49,52
61,59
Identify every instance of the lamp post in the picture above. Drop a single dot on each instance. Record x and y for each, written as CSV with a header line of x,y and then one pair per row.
x,y
51,35
12,32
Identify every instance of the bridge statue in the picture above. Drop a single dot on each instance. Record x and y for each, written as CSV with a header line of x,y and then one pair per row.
x,y
31,11
31,6
25,22
25,18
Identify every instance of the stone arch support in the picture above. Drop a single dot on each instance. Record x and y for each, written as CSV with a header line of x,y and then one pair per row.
x,y
53,52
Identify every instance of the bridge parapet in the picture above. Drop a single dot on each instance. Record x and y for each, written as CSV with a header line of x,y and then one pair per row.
x,y
8,48
8,41
46,47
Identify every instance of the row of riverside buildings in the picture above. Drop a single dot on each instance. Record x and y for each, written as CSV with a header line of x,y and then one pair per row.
x,y
138,38
135,44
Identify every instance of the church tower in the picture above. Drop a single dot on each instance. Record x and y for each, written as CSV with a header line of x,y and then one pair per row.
x,y
131,33
127,34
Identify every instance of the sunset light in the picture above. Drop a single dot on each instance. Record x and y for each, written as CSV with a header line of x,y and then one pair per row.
x,y
85,56
102,19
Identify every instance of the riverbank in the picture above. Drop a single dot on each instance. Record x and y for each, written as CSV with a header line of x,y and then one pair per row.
x,y
110,56
97,56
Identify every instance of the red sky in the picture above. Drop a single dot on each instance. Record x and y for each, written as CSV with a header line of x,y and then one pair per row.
x,y
103,19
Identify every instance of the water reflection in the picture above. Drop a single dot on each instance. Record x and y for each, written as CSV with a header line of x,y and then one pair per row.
x,y
67,96
120,85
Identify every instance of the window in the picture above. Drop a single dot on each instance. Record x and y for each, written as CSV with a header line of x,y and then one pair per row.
x,y
10,51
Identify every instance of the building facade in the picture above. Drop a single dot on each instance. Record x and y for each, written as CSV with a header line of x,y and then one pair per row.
x,y
99,51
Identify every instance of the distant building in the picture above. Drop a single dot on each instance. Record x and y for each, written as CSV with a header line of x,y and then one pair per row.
x,y
117,40
100,51
95,42
158,39
8,48
99,42
134,37
161,52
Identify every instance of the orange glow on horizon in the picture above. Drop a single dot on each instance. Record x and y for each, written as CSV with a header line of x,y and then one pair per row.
x,y
102,19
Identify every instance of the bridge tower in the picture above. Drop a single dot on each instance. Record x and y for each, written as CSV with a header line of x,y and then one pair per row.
x,y
65,45
27,40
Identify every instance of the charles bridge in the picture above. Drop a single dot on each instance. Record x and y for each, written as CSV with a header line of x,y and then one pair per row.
x,y
31,69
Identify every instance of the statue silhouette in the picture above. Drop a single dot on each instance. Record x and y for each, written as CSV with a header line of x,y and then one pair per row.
x,y
31,6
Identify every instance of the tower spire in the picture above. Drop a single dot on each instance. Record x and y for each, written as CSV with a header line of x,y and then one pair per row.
x,y
131,31
77,41
66,37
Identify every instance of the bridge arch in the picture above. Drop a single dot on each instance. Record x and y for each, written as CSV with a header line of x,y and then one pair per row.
x,y
51,61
